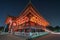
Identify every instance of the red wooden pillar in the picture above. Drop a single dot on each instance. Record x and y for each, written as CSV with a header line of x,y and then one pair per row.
x,y
20,30
24,30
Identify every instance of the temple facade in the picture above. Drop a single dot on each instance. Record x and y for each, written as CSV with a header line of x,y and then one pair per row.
x,y
28,20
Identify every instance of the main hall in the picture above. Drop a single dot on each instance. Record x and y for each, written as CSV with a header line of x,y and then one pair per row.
x,y
29,20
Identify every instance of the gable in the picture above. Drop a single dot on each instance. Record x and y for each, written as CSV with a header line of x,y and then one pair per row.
x,y
31,14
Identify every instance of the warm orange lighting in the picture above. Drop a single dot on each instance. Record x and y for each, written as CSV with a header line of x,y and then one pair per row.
x,y
33,19
40,22
29,17
8,20
26,19
14,24
32,23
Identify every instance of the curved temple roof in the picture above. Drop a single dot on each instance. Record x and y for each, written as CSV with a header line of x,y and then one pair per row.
x,y
29,14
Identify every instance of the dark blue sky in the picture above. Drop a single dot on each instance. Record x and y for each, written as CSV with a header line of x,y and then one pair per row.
x,y
49,9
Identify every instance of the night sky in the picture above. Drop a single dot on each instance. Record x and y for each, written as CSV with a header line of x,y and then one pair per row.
x,y
49,9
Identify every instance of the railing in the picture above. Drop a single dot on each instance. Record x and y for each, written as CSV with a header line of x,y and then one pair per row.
x,y
24,34
30,34
4,33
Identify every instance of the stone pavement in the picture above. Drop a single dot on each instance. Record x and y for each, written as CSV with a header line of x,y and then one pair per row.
x,y
49,37
11,37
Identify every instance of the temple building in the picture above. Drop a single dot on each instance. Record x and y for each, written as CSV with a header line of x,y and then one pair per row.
x,y
28,20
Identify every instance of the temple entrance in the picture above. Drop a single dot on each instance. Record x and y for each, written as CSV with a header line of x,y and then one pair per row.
x,y
30,29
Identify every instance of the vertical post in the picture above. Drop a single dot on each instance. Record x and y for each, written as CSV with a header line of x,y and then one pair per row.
x,y
11,28
11,31
24,30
